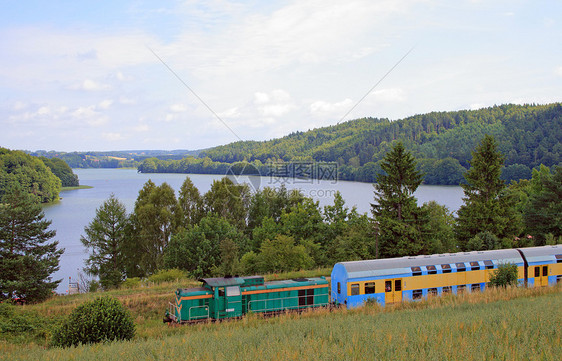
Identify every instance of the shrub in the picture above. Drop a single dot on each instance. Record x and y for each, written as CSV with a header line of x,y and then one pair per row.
x,y
103,319
505,274
131,282
168,275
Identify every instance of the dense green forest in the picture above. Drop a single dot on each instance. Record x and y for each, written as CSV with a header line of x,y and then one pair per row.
x,y
232,230
528,135
41,176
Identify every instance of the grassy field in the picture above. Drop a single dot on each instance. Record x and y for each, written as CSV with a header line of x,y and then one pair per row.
x,y
511,324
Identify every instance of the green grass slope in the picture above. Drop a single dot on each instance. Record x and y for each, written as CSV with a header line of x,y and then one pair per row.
x,y
511,324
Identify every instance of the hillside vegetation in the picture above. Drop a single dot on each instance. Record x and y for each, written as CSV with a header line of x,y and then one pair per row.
x,y
512,323
40,176
528,135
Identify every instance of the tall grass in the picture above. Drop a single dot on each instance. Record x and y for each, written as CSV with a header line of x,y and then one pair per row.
x,y
507,324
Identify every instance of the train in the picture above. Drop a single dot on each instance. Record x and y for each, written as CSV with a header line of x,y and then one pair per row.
x,y
354,283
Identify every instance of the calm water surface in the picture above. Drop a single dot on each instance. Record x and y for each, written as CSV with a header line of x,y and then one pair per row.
x,y
78,207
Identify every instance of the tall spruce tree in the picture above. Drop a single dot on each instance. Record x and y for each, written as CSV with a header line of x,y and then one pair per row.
x,y
106,236
398,219
155,218
543,212
27,257
487,207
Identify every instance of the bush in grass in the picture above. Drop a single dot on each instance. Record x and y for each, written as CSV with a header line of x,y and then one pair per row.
x,y
505,274
132,282
103,319
167,275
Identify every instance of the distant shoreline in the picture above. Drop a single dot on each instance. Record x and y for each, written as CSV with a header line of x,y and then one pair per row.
x,y
64,189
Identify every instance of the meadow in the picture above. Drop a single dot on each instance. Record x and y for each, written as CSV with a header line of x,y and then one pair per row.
x,y
505,324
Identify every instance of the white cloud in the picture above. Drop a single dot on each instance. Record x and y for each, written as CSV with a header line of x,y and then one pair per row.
x,y
389,95
105,104
274,104
91,85
230,113
324,109
18,105
141,128
112,136
261,98
178,108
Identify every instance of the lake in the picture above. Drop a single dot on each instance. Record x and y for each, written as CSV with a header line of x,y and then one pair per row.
x,y
78,207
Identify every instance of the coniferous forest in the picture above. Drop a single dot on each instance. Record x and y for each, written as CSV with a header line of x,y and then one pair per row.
x,y
528,136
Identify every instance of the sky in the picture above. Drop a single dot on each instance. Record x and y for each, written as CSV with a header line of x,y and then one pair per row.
x,y
163,75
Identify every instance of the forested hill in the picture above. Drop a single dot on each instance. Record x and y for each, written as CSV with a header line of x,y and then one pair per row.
x,y
528,135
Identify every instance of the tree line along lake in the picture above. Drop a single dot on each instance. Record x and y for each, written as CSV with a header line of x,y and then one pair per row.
x,y
78,207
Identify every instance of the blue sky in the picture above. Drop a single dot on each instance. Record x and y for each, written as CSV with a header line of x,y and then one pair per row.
x,y
80,75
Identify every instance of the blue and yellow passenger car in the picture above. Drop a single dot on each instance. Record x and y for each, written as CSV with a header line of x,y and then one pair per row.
x,y
411,278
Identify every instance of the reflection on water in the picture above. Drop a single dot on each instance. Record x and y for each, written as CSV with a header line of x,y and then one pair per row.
x,y
78,207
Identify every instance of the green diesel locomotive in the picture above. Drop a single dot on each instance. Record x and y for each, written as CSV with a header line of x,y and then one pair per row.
x,y
230,297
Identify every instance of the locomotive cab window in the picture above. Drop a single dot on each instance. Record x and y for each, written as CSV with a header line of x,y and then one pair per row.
x,y
369,288
232,291
446,268
460,267
354,289
431,270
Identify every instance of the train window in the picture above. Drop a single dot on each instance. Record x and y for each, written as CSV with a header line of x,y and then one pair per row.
x,y
398,285
447,289
475,287
545,270
446,268
221,292
388,286
537,271
474,266
559,258
306,297
416,271
431,270
354,289
417,294
369,288
432,291
339,288
488,264
558,279
461,288
232,291
460,267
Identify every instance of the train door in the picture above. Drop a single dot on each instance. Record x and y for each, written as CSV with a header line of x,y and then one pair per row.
x,y
229,302
544,276
541,275
393,290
